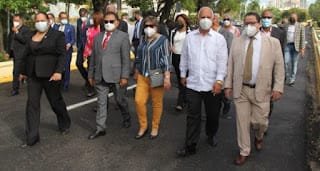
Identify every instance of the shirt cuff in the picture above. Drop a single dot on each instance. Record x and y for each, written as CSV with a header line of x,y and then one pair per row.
x,y
220,77
183,74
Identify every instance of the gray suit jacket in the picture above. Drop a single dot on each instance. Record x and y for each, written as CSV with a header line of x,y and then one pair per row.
x,y
270,67
112,63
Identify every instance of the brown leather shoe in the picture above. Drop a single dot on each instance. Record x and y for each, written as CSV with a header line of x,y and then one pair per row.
x,y
240,160
258,144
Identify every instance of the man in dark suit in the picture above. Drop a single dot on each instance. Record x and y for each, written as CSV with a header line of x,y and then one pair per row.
x,y
19,36
52,20
109,67
275,32
69,33
82,26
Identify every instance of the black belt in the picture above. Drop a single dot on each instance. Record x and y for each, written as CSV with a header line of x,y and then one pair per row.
x,y
249,85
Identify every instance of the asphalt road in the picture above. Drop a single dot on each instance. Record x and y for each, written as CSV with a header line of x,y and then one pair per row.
x,y
284,149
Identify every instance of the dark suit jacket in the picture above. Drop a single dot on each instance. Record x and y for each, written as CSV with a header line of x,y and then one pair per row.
x,y
81,34
69,34
47,58
280,35
112,63
19,40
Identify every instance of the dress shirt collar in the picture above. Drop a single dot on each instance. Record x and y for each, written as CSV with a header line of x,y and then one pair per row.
x,y
256,37
210,33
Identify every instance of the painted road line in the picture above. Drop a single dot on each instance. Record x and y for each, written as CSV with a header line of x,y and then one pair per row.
x,y
77,105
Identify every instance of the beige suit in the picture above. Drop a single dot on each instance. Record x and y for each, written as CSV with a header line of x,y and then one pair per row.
x,y
252,104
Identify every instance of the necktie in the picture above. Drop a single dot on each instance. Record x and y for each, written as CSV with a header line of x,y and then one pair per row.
x,y
83,25
248,64
106,39
135,34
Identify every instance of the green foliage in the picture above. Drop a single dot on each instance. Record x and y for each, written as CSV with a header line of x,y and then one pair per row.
x,y
3,56
314,11
189,5
144,5
254,6
229,6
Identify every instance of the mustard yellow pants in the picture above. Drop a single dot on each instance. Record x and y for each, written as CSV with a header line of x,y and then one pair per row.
x,y
143,91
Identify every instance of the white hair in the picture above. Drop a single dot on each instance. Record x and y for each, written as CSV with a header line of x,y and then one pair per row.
x,y
203,8
111,6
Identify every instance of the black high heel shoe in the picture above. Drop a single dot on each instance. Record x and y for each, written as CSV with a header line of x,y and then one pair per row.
x,y
142,135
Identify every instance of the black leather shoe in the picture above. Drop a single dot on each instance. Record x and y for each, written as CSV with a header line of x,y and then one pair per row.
x,y
185,152
212,141
14,93
141,136
27,145
96,134
65,131
126,124
152,137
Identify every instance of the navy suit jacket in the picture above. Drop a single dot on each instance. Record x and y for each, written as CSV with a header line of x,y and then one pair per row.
x,y
81,34
69,33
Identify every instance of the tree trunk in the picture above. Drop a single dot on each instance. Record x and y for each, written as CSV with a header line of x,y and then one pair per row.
x,y
1,37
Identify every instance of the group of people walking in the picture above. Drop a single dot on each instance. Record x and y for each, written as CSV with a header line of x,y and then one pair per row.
x,y
213,64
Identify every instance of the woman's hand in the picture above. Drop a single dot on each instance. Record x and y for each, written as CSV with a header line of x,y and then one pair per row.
x,y
166,83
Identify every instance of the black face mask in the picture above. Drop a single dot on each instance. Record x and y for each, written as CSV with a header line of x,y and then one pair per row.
x,y
179,25
292,20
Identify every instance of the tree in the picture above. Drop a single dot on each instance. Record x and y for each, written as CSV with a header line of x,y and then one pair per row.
x,y
228,6
254,6
314,11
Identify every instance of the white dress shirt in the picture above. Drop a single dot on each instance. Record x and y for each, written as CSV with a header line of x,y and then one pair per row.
x,y
178,41
255,57
205,58
290,34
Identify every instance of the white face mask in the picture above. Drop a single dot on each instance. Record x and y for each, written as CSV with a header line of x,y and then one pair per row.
x,y
109,26
41,26
91,21
250,30
16,24
84,19
64,21
205,23
226,23
149,31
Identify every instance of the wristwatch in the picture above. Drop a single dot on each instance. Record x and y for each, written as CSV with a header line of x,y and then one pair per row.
x,y
219,82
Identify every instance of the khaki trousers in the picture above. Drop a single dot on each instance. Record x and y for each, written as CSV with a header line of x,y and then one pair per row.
x,y
143,91
250,112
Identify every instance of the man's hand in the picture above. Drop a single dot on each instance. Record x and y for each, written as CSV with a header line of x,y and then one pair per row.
x,y
276,95
183,81
166,83
91,81
14,29
228,92
22,77
123,82
302,53
216,89
68,46
55,77
171,48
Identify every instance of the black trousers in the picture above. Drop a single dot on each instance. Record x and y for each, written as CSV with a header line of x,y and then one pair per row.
x,y
83,71
182,89
212,108
53,93
16,81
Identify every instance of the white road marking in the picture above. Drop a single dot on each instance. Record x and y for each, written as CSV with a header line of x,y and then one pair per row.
x,y
77,105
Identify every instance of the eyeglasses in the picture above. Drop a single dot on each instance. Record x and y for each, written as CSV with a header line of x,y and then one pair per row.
x,y
266,17
206,17
109,21
226,19
149,25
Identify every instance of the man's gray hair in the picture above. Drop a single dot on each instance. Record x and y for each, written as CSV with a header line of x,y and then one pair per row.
x,y
203,8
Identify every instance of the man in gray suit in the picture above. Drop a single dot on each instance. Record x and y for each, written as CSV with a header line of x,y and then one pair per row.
x,y
109,69
255,61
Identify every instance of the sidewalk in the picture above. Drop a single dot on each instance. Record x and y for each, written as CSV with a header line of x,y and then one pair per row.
x,y
7,67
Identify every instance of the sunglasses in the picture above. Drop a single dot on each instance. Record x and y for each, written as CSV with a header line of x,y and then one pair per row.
x,y
109,21
149,25
266,17
225,19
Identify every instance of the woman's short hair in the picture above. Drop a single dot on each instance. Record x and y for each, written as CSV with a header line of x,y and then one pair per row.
x,y
185,18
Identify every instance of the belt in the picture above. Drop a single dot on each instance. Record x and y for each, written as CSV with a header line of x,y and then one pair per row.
x,y
249,85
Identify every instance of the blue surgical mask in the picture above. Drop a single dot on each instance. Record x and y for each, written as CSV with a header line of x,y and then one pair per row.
x,y
266,22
